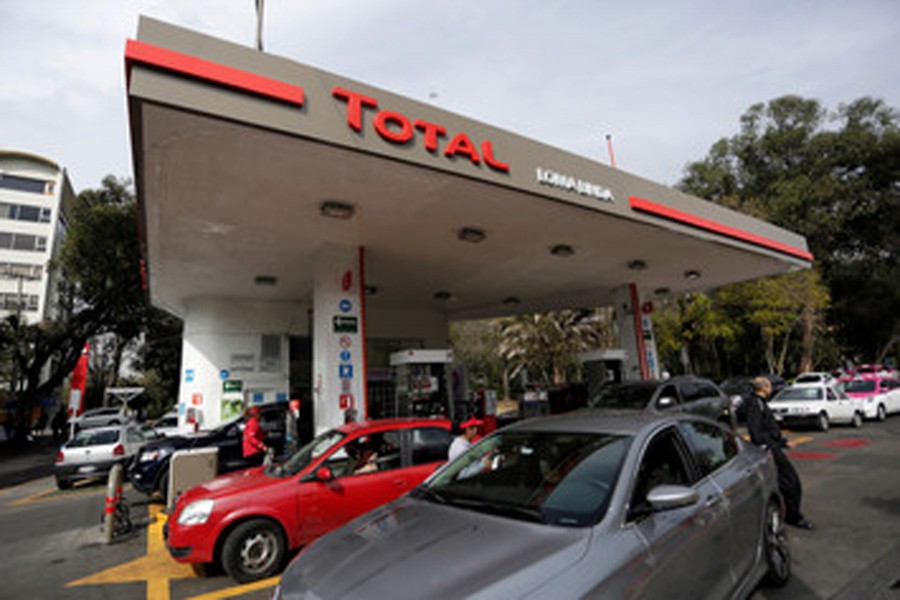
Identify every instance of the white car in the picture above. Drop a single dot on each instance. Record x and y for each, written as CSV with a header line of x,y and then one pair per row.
x,y
168,425
816,404
99,417
814,377
93,452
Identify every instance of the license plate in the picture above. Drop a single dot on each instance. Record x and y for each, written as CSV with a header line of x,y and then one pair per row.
x,y
87,469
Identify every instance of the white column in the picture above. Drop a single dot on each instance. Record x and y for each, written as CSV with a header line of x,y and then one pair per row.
x,y
339,378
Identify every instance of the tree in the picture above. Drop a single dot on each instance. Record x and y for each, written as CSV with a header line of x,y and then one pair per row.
x,y
103,293
839,187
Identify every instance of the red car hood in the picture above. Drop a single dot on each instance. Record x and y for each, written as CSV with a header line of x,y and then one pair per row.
x,y
231,483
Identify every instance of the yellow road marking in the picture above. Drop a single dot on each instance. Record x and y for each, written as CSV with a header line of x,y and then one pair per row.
x,y
156,568
238,590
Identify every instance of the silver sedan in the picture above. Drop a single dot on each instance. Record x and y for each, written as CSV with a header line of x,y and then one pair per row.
x,y
584,505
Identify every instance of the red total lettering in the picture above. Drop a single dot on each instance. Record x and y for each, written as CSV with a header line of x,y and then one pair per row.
x,y
386,117
431,131
487,152
461,144
355,103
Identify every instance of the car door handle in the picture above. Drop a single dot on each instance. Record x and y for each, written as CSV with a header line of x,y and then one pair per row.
x,y
713,501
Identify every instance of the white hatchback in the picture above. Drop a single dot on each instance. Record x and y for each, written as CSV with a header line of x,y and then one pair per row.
x,y
816,404
93,452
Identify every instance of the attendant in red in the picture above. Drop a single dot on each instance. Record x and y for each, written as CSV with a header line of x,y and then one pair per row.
x,y
254,448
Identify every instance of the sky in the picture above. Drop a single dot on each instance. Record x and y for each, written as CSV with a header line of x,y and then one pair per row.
x,y
665,78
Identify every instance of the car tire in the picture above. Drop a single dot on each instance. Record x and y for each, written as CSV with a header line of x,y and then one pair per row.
x,y
254,550
163,486
881,413
775,548
857,420
63,484
822,422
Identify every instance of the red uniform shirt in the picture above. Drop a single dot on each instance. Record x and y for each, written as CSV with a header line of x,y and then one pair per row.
x,y
253,438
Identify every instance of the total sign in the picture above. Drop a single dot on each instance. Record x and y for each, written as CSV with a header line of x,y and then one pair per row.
x,y
339,383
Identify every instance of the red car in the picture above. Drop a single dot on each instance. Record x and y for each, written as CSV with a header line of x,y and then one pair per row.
x,y
248,520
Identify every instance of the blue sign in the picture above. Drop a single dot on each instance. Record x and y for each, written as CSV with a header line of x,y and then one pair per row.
x,y
224,374
345,355
345,372
258,397
346,306
189,375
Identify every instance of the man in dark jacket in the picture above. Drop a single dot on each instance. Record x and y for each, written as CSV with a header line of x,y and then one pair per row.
x,y
764,432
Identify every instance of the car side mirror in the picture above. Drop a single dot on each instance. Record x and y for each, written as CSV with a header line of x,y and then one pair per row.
x,y
665,402
324,474
667,497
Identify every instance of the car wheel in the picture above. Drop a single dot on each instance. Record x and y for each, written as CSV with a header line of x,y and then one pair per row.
x,y
822,423
63,484
776,549
253,550
882,414
857,420
163,486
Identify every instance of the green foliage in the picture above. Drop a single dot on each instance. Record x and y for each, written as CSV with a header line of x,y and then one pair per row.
x,y
833,177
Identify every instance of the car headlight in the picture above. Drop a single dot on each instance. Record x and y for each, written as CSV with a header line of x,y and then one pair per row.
x,y
152,455
196,513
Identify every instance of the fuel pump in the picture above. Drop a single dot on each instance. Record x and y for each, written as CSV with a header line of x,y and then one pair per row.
x,y
421,383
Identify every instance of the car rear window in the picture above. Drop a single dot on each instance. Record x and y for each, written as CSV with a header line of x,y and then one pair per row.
x,y
624,396
94,437
800,393
860,386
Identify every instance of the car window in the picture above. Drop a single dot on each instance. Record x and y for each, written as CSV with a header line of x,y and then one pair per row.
x,y
800,393
859,385
632,396
830,394
372,453
429,444
94,437
668,396
561,478
662,463
133,435
712,446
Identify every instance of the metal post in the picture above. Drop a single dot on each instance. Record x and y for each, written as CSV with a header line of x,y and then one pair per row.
x,y
113,497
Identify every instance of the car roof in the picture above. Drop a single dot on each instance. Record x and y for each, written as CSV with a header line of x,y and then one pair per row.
x,y
590,420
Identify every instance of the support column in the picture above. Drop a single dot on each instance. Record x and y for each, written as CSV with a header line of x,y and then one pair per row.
x,y
635,327
339,366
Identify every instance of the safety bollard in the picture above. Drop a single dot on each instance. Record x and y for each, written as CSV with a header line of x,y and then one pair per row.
x,y
113,497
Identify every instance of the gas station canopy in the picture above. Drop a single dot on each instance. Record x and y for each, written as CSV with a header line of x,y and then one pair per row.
x,y
247,164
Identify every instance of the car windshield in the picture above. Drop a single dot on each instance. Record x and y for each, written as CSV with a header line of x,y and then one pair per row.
x,y
800,393
624,396
867,385
809,379
308,453
547,477
94,437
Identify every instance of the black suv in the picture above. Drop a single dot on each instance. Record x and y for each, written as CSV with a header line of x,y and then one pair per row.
x,y
683,394
150,470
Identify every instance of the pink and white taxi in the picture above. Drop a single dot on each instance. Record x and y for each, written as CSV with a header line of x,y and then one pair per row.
x,y
880,395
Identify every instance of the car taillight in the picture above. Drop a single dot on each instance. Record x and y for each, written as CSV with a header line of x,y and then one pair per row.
x,y
59,457
119,450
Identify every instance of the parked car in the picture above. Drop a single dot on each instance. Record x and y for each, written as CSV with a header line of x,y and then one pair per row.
x,y
591,504
679,394
738,390
815,377
880,395
816,404
168,425
875,370
150,471
91,453
99,417
247,521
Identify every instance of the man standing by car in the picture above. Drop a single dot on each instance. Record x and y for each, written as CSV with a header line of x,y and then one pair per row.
x,y
764,432
254,449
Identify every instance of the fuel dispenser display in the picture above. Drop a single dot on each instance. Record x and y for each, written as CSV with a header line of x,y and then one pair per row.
x,y
421,383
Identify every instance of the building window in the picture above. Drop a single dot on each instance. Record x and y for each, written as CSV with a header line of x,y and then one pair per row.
x,y
25,184
10,302
12,270
270,353
24,212
22,241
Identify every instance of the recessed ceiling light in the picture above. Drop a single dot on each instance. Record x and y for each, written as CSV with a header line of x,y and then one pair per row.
x,y
442,295
471,234
663,291
637,265
562,250
692,274
337,210
265,280
511,300
371,290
